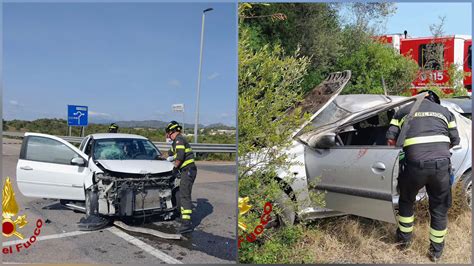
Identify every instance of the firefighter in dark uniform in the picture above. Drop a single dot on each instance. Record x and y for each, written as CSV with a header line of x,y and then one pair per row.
x,y
431,134
184,164
113,128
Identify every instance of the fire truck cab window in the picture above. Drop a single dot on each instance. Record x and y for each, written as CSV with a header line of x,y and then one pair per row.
x,y
429,57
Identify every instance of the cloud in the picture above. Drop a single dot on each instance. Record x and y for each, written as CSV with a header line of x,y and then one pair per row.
x,y
213,76
15,103
174,83
92,113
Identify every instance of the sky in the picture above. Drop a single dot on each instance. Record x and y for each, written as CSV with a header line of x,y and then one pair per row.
x,y
125,61
416,18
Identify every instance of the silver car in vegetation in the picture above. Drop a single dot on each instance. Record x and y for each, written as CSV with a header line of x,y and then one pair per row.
x,y
342,152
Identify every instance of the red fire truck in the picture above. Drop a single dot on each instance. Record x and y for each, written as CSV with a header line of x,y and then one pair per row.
x,y
456,50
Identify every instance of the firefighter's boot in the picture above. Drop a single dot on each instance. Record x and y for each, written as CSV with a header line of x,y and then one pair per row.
x,y
185,227
403,240
435,251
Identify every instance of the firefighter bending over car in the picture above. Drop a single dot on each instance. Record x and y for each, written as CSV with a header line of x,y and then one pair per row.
x,y
183,158
432,132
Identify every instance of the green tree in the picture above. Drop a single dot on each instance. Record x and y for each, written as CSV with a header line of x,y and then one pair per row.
x,y
374,64
269,83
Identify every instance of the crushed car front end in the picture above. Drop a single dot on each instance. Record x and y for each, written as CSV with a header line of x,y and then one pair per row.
x,y
137,195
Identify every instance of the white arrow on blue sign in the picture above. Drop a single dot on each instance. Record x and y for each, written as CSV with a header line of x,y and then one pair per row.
x,y
77,115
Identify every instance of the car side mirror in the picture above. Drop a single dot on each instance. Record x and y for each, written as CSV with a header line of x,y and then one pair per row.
x,y
327,141
79,161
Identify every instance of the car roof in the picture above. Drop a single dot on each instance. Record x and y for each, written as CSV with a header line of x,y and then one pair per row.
x,y
116,136
464,103
359,102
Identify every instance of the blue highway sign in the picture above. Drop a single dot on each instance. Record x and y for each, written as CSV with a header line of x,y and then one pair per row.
x,y
77,115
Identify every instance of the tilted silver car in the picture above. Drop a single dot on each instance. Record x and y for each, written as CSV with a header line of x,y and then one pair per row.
x,y
342,152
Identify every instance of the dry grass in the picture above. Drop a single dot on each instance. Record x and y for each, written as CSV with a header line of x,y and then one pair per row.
x,y
353,239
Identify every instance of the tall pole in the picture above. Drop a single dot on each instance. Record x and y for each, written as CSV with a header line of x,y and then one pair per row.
x,y
196,121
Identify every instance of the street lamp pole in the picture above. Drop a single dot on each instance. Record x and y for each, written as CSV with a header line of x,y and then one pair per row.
x,y
196,122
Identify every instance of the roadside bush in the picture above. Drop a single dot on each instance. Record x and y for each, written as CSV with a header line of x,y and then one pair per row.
x,y
269,84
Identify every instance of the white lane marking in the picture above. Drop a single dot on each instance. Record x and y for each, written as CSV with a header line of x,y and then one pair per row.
x,y
137,242
40,238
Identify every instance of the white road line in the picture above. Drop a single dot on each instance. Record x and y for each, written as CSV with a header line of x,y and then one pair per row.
x,y
40,238
137,242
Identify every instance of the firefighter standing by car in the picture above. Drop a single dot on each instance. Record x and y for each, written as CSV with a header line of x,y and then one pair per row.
x,y
184,165
432,132
113,128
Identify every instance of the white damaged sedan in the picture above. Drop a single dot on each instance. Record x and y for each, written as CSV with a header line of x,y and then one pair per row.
x,y
109,174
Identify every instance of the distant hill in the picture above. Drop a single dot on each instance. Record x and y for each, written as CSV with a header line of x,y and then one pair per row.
x,y
123,124
138,123
144,124
159,124
219,126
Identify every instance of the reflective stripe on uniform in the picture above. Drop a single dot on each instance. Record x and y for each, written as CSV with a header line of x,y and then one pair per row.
x,y
187,162
183,211
437,239
452,124
438,233
406,220
431,114
426,139
405,229
186,217
395,122
182,147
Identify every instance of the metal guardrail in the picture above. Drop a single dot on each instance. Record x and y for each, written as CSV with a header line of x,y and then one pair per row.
x,y
197,147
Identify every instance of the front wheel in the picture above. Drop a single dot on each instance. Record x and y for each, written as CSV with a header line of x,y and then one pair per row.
x,y
284,213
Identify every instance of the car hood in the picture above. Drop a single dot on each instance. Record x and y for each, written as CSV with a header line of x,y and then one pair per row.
x,y
137,166
322,95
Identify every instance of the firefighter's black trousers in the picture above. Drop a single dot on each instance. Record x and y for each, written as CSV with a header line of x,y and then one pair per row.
x,y
188,175
434,175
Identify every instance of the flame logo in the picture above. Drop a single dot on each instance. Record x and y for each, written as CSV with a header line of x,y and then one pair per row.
x,y
244,207
10,209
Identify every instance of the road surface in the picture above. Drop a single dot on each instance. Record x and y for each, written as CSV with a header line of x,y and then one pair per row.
x,y
60,241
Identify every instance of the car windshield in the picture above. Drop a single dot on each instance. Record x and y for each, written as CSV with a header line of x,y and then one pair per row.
x,y
125,149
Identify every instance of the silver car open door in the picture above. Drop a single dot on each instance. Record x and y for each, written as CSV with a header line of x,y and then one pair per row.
x,y
359,180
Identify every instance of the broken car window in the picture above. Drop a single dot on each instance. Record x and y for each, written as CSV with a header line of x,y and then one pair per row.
x,y
125,149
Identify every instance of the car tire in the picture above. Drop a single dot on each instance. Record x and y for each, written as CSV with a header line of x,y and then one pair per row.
x,y
467,188
283,213
88,202
91,203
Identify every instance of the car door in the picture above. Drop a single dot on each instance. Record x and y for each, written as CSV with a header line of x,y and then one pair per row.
x,y
45,168
360,180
